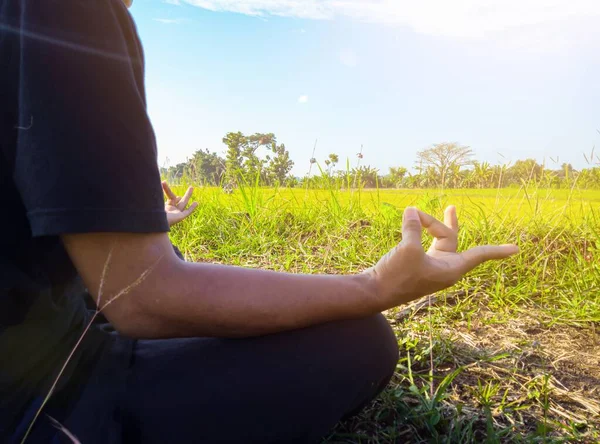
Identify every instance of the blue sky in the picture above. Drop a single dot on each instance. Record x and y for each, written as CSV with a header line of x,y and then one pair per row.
x,y
519,78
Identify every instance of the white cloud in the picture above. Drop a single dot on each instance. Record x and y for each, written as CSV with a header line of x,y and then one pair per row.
x,y
459,18
309,9
168,21
303,99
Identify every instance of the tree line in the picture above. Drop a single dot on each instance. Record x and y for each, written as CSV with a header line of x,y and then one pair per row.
x,y
251,159
258,159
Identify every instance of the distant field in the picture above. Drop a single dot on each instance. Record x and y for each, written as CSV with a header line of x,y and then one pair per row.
x,y
517,203
515,346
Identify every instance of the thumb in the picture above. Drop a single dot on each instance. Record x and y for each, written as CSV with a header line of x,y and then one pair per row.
x,y
411,227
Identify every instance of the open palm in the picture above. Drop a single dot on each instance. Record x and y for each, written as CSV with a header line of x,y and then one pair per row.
x,y
175,207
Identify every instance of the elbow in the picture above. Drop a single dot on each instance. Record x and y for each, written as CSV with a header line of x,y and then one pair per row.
x,y
136,319
134,327
143,311
132,317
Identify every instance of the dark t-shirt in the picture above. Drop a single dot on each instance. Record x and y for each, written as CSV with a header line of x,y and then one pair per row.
x,y
77,155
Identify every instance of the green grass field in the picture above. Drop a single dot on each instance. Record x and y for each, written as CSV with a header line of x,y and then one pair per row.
x,y
510,354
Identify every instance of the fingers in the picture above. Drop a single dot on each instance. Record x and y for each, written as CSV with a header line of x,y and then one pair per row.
x,y
450,218
189,210
411,227
182,203
168,192
175,218
434,227
478,255
446,234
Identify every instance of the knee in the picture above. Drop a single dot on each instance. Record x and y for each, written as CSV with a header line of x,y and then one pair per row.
x,y
368,344
375,356
379,343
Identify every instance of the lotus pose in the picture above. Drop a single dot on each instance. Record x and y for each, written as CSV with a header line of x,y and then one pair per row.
x,y
190,352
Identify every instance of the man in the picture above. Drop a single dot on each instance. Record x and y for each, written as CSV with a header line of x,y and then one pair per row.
x,y
199,352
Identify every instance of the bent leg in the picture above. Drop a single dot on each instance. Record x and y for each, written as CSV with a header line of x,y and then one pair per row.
x,y
287,387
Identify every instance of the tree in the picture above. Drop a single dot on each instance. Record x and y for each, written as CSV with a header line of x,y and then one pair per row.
x,y
413,180
175,173
396,176
589,178
242,155
482,173
566,174
233,159
253,164
366,176
499,175
524,171
280,165
456,178
430,177
206,167
441,165
443,158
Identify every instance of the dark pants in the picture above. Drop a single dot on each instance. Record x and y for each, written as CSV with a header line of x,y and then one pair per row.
x,y
287,387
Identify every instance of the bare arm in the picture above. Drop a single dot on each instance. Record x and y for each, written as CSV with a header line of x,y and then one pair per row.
x,y
187,299
179,298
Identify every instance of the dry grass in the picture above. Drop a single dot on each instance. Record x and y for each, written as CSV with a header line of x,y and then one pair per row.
x,y
520,380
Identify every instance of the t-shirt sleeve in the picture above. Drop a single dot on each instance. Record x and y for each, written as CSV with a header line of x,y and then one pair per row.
x,y
86,152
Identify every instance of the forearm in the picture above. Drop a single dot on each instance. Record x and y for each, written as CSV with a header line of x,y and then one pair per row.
x,y
146,291
217,300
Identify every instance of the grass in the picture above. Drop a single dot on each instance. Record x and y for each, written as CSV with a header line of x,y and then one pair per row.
x,y
515,353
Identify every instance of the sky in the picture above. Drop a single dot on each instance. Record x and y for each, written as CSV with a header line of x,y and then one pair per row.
x,y
511,79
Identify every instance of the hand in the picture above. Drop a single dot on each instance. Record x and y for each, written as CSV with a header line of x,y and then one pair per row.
x,y
408,272
175,207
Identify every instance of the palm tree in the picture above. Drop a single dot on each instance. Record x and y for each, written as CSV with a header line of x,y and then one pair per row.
x,y
397,176
482,173
498,173
430,177
366,176
455,177
413,180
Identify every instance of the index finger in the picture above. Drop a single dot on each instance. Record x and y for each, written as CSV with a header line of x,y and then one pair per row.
x,y
185,199
434,227
450,218
167,190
